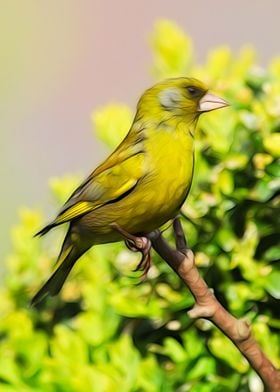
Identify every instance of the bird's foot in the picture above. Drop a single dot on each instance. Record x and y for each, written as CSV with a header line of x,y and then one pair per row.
x,y
137,244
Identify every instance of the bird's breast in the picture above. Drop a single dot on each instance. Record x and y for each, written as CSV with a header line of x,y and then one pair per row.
x,y
172,162
159,194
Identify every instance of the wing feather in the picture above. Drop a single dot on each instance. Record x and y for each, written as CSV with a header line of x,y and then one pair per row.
x,y
103,187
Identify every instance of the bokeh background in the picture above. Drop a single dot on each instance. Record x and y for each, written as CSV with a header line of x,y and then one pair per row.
x,y
61,59
61,64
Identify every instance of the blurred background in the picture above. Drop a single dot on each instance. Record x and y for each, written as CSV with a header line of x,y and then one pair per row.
x,y
61,59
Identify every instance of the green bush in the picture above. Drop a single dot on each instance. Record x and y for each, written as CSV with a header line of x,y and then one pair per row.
x,y
105,332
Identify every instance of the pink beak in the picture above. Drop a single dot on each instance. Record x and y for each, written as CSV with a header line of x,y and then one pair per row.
x,y
210,102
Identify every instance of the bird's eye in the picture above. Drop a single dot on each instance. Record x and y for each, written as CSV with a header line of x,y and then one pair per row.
x,y
193,91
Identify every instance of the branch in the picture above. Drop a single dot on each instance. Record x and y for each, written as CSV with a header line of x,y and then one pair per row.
x,y
181,260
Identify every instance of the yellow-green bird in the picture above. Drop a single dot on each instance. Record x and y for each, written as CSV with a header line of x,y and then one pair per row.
x,y
142,184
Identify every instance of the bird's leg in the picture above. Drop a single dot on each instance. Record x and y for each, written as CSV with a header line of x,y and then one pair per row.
x,y
140,244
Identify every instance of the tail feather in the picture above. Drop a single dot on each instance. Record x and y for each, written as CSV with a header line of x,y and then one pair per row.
x,y
57,279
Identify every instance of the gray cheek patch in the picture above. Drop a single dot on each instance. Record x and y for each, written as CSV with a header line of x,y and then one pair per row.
x,y
170,98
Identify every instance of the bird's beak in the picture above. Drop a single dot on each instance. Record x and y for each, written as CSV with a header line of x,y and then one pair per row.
x,y
210,102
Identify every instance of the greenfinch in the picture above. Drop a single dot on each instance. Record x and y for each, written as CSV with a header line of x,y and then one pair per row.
x,y
142,184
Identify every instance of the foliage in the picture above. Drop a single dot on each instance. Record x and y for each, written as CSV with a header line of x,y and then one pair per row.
x,y
105,332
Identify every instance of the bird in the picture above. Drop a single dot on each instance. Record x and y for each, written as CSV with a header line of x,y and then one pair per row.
x,y
141,185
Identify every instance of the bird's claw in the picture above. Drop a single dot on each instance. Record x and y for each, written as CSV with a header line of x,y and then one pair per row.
x,y
145,262
144,265
138,244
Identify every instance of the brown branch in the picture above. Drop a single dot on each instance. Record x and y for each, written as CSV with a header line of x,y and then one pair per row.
x,y
181,260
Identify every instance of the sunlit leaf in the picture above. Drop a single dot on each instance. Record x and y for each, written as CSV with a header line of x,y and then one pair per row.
x,y
111,123
273,284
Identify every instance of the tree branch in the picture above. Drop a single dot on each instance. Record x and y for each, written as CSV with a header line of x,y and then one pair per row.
x,y
181,260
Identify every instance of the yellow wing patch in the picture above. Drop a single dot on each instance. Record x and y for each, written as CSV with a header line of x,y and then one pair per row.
x,y
113,192
78,209
122,189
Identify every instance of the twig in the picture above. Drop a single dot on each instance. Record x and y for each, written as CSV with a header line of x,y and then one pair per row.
x,y
181,260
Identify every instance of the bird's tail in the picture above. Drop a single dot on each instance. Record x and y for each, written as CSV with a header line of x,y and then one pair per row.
x,y
66,260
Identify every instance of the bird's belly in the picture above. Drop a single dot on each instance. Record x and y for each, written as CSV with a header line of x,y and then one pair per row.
x,y
154,201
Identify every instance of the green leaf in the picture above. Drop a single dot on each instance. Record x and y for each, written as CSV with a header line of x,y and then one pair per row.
x,y
224,349
172,50
175,350
268,340
273,253
205,366
274,168
272,284
111,123
272,144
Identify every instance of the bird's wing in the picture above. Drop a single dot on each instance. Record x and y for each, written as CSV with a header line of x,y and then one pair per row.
x,y
123,163
111,181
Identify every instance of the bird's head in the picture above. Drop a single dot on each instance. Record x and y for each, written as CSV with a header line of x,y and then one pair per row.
x,y
185,98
